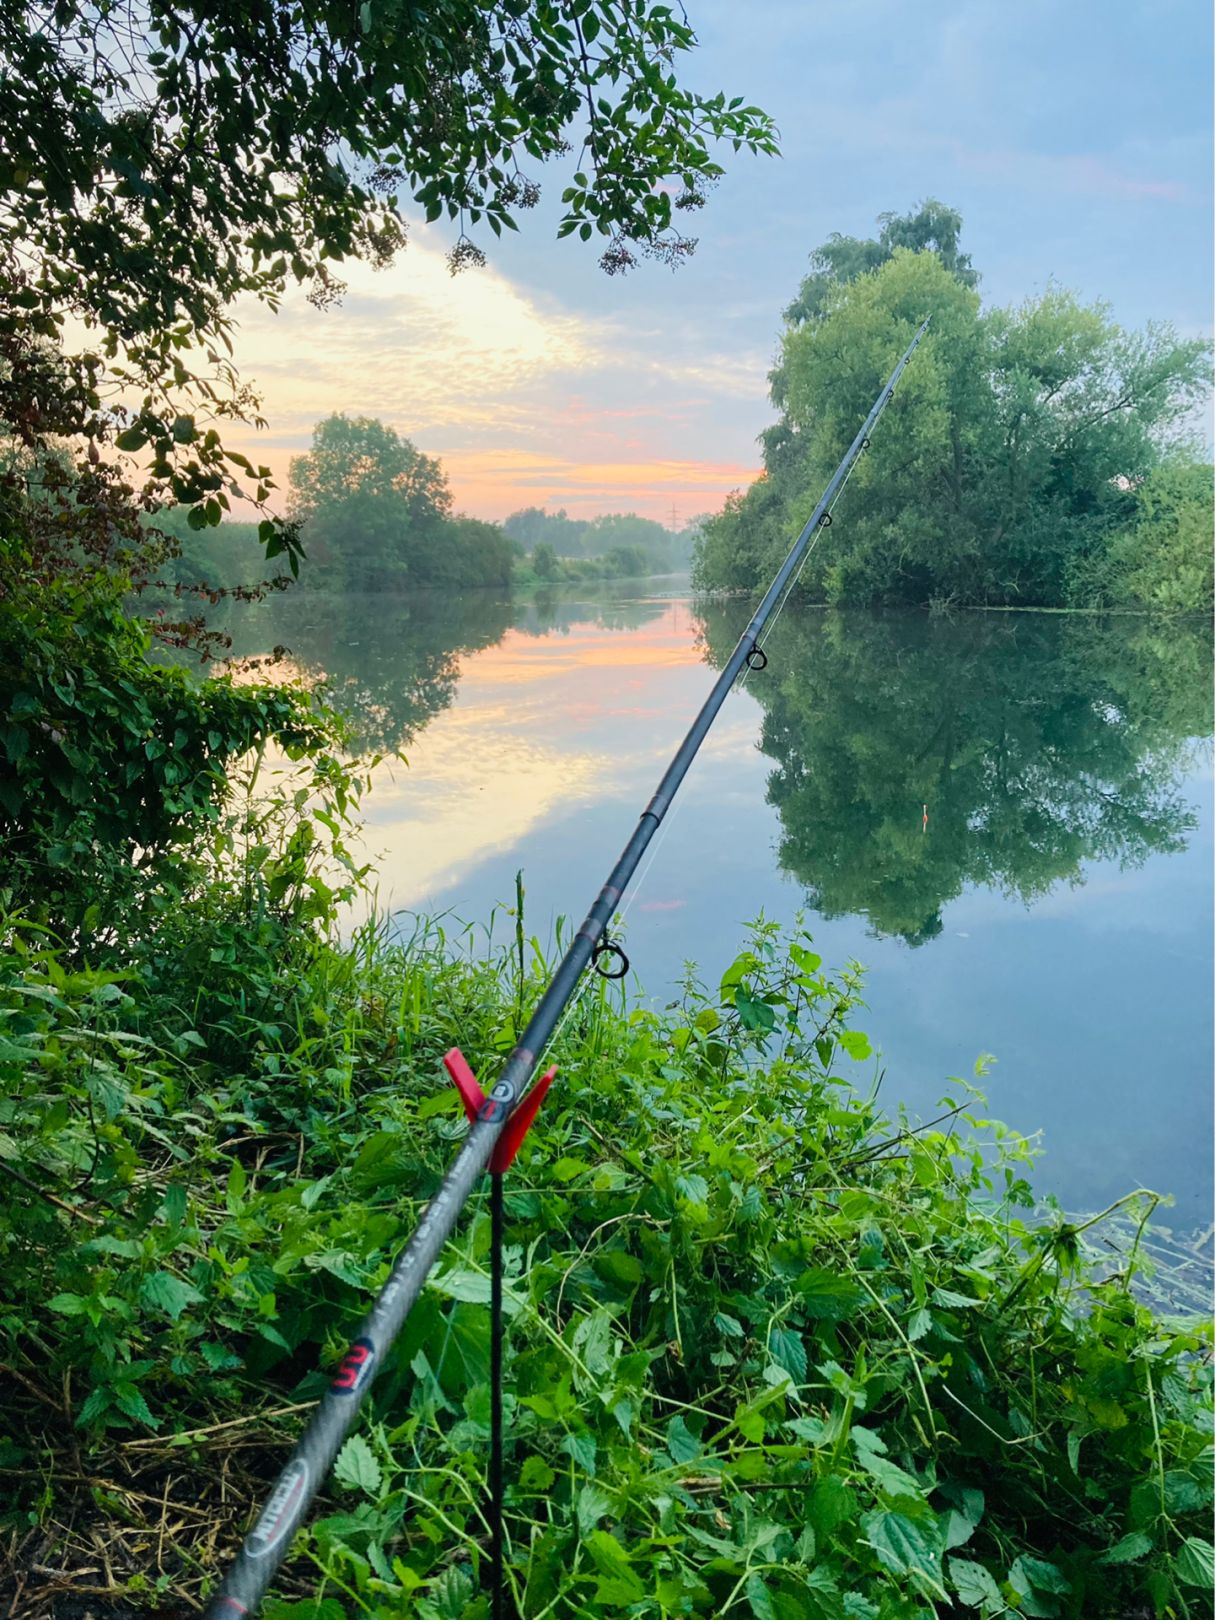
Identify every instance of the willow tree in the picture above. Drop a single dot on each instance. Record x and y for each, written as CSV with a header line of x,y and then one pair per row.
x,y
1010,459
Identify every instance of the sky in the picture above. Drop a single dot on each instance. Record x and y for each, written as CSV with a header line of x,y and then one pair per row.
x,y
1074,139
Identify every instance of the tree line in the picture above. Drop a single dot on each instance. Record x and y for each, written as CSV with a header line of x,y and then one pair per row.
x,y
369,511
1037,456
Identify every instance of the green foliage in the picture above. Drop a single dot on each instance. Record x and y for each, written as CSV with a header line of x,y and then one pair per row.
x,y
375,515
612,535
1035,745
1163,562
544,562
227,560
1003,467
768,1354
114,772
163,160
932,228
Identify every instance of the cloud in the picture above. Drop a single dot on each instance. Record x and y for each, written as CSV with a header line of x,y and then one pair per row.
x,y
524,401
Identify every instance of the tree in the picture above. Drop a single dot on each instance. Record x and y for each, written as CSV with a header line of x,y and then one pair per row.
x,y
616,530
544,562
931,228
1163,561
566,535
375,514
626,562
160,158
1005,461
371,503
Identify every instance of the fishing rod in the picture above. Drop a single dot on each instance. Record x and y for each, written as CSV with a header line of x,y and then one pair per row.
x,y
490,1136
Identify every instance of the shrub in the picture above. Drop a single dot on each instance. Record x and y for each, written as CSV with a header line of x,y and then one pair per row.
x,y
769,1354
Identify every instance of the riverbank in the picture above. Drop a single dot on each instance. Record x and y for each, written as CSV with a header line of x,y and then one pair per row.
x,y
762,1342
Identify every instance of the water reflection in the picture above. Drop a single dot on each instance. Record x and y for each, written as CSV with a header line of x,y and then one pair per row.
x,y
1049,752
393,664
915,757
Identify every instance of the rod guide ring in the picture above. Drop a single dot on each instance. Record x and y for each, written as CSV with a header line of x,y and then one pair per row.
x,y
757,658
609,949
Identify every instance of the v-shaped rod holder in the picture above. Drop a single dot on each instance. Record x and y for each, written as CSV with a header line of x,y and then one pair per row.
x,y
474,1100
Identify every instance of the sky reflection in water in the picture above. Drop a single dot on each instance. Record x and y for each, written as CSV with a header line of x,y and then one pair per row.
x,y
1056,910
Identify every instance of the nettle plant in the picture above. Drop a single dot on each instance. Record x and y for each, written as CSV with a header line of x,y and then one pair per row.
x,y
773,1355
769,1353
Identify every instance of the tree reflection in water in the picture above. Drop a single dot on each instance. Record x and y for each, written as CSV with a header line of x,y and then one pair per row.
x,y
1035,743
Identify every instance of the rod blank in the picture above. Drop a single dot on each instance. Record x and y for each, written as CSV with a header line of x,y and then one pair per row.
x,y
289,1501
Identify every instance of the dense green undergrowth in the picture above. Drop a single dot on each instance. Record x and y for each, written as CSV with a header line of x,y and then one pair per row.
x,y
770,1353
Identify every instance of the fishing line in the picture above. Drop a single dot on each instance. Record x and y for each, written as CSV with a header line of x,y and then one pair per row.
x,y
503,1116
749,669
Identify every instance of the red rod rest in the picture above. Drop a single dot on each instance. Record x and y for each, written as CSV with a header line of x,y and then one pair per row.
x,y
519,1123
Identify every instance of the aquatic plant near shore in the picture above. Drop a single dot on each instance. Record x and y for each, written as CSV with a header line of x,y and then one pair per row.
x,y
768,1353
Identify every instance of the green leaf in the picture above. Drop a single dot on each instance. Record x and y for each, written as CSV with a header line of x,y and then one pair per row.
x,y
760,1598
1128,1550
828,1295
753,1013
619,1266
904,1546
787,1350
592,1505
890,1478
1195,1564
582,1448
956,1302
694,1188
958,1529
356,1467
1043,1576
536,1475
749,1422
97,1402
131,1401
463,1283
976,1586
162,1291
682,1444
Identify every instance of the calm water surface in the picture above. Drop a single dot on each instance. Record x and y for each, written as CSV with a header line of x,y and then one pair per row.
x,y
1054,909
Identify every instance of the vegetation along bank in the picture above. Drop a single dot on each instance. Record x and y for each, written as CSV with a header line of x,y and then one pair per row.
x,y
768,1354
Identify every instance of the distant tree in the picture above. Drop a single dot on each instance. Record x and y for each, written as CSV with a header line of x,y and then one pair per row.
x,y
163,158
477,553
371,504
376,514
359,458
627,562
533,524
617,529
526,526
544,562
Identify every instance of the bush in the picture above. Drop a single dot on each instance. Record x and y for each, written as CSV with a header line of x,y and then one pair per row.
x,y
114,770
768,1353
1163,562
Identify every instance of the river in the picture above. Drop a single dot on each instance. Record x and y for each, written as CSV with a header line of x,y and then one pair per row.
x,y
1007,818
